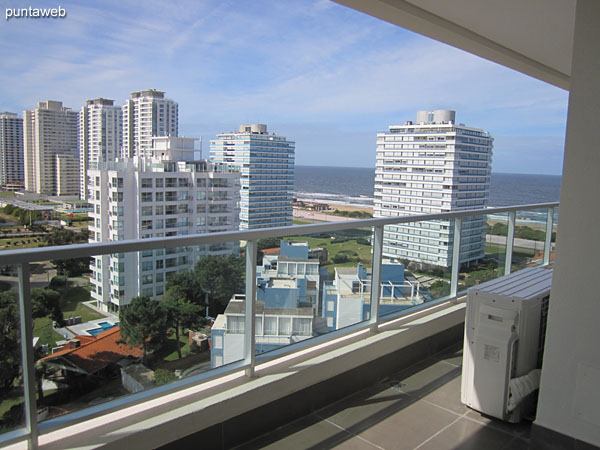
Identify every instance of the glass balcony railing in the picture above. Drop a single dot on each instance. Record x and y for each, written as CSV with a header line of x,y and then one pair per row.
x,y
168,312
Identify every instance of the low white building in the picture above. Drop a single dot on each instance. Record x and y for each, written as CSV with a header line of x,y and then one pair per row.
x,y
275,327
170,193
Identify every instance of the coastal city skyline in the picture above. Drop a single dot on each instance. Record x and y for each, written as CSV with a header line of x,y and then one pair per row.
x,y
275,64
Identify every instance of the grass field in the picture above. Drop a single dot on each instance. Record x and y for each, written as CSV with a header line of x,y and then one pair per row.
x,y
343,246
501,249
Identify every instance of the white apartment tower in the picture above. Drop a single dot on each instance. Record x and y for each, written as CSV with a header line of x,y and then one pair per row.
x,y
432,166
266,163
49,130
167,193
11,149
100,135
147,114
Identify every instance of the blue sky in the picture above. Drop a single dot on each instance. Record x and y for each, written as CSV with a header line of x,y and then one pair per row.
x,y
323,75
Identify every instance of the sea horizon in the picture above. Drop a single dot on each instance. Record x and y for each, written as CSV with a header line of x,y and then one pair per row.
x,y
493,171
355,186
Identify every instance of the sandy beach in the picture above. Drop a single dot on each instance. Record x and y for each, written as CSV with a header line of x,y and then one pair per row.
x,y
304,214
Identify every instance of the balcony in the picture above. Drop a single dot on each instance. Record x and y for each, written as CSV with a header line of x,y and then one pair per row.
x,y
194,403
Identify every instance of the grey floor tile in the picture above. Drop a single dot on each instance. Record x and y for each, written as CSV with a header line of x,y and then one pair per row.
x,y
356,443
467,435
451,356
408,427
365,409
448,396
517,444
521,429
310,432
426,380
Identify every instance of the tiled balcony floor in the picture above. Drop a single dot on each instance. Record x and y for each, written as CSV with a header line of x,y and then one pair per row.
x,y
417,408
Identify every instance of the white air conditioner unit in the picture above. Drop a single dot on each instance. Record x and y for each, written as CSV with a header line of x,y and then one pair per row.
x,y
504,338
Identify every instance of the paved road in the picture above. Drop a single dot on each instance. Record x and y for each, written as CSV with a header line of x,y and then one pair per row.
x,y
523,243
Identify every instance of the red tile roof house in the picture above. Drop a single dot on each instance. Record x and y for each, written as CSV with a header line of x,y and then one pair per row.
x,y
88,355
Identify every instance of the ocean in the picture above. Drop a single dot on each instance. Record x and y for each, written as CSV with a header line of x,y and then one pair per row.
x,y
351,185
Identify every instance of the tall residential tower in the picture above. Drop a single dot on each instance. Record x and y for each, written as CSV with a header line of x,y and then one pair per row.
x,y
432,166
100,135
166,193
147,114
11,149
266,163
50,130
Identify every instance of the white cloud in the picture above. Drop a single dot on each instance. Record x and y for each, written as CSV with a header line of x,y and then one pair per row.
x,y
311,64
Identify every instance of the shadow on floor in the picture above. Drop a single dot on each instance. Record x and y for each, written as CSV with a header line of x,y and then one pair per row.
x,y
416,408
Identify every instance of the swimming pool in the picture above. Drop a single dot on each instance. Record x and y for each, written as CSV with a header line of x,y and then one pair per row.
x,y
103,327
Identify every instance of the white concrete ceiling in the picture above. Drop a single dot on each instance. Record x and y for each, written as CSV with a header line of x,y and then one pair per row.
x,y
532,36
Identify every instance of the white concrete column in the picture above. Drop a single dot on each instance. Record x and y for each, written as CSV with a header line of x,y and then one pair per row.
x,y
569,400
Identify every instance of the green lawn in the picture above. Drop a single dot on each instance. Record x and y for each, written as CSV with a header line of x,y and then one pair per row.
x,y
169,351
501,249
350,248
304,222
7,194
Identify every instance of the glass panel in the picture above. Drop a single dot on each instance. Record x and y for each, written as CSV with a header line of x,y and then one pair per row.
x,y
132,321
483,249
12,413
530,237
298,275
425,250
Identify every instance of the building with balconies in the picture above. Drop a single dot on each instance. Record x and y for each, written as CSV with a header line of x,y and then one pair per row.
x,y
100,135
430,166
147,114
11,149
48,130
169,193
411,396
266,163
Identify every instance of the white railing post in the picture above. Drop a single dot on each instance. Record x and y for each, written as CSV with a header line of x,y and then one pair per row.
x,y
510,239
27,361
455,256
250,325
376,276
548,242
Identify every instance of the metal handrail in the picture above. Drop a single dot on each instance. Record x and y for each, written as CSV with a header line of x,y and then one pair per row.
x,y
104,248
23,257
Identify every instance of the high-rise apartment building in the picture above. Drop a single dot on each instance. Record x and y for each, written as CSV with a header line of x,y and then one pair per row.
x,y
67,175
49,130
266,163
100,135
11,149
168,193
432,166
147,114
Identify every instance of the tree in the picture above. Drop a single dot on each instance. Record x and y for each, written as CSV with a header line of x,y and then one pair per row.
x,y
10,363
143,324
69,267
46,302
180,312
220,278
163,376
187,283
